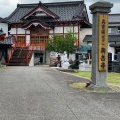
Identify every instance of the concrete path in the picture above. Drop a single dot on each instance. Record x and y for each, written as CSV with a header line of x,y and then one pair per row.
x,y
42,93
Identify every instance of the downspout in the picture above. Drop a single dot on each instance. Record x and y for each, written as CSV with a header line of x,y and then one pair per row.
x,y
78,36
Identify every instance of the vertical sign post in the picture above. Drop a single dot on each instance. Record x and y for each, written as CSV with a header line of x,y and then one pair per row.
x,y
103,43
100,12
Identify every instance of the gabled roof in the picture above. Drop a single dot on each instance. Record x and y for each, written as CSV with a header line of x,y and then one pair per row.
x,y
42,8
111,38
36,22
114,18
65,11
4,21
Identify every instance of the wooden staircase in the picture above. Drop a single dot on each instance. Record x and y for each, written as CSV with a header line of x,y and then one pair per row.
x,y
19,57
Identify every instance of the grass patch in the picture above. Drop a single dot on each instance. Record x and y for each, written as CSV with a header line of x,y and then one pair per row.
x,y
82,73
82,86
1,66
113,78
78,86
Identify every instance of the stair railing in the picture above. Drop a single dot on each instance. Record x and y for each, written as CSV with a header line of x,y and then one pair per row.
x,y
42,45
22,47
11,50
29,53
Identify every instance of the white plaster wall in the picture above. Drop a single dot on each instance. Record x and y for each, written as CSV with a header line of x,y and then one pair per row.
x,y
111,50
27,31
13,31
114,30
4,26
27,39
109,30
58,30
76,29
66,29
51,31
84,32
21,31
32,60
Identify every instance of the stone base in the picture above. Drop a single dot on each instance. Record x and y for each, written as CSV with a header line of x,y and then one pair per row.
x,y
93,87
85,67
65,65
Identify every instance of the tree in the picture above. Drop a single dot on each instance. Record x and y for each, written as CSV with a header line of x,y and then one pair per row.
x,y
57,44
69,43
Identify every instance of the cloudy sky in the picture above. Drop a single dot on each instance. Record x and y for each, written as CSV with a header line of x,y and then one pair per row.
x,y
7,6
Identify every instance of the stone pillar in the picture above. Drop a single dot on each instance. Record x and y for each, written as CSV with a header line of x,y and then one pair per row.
x,y
99,78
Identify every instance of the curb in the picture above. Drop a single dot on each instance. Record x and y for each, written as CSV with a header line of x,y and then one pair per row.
x,y
82,77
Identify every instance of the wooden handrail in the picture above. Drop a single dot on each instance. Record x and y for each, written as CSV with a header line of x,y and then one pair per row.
x,y
11,51
29,53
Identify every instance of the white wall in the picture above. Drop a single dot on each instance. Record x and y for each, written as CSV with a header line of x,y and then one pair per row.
x,y
32,60
84,32
21,31
27,31
13,31
66,29
51,31
27,39
4,26
58,30
113,30
111,50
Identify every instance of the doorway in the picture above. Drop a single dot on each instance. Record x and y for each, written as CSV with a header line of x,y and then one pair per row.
x,y
38,58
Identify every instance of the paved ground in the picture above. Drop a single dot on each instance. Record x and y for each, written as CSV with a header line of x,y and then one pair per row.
x,y
41,93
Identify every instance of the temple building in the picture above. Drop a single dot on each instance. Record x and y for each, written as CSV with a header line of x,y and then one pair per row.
x,y
5,46
33,24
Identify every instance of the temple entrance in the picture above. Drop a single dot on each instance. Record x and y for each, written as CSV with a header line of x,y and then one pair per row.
x,y
38,36
21,40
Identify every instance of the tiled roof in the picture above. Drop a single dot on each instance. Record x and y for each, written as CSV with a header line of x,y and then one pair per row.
x,y
65,10
111,38
35,20
87,38
3,20
18,14
114,18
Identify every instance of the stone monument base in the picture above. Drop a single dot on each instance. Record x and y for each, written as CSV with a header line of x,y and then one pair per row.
x,y
93,87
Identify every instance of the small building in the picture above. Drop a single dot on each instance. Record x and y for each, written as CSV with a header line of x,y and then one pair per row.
x,y
33,24
113,35
5,44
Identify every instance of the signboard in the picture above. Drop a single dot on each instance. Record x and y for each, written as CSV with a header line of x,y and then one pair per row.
x,y
53,54
53,57
103,43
